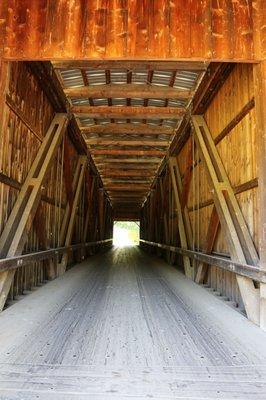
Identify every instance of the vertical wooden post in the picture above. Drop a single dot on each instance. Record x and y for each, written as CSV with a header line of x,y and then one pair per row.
x,y
260,98
163,205
89,215
101,212
151,216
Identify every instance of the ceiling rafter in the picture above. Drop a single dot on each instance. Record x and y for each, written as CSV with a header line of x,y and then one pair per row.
x,y
128,113
129,128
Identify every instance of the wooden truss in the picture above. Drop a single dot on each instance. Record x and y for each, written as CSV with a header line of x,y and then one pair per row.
x,y
241,245
14,235
182,214
209,244
67,228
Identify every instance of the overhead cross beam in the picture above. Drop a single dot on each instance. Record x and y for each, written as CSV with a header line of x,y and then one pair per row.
x,y
132,65
126,142
124,152
127,166
128,91
127,173
103,160
127,187
128,112
130,128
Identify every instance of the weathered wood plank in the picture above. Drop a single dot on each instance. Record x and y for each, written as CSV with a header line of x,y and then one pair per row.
x,y
260,92
126,142
108,294
127,173
130,65
64,30
141,129
127,90
125,152
128,112
127,187
103,159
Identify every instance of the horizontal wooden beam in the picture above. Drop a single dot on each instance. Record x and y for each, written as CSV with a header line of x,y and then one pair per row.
x,y
128,152
131,65
121,193
130,128
250,271
128,112
138,175
129,202
123,207
128,91
131,142
125,166
117,195
125,180
104,160
133,172
127,187
25,259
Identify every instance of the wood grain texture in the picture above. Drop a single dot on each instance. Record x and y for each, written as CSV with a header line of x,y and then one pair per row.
x,y
127,325
176,29
127,90
25,115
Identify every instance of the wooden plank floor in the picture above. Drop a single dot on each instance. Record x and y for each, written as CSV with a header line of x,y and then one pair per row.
x,y
125,325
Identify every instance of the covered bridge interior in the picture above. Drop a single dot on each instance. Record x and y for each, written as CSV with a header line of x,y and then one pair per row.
x,y
149,111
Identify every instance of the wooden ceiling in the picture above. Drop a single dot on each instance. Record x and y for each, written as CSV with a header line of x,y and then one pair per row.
x,y
224,30
128,113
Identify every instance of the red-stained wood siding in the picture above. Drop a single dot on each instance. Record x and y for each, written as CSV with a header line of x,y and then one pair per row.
x,y
107,29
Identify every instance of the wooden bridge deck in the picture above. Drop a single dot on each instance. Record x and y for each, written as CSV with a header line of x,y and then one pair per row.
x,y
125,325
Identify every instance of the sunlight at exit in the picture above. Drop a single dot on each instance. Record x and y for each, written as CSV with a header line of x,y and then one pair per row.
x,y
126,233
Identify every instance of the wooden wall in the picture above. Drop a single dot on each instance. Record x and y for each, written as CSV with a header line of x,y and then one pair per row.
x,y
26,114
106,29
238,151
232,123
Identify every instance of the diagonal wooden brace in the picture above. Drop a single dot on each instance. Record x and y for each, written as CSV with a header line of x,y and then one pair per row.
x,y
70,213
241,245
165,223
183,217
213,228
15,233
90,184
